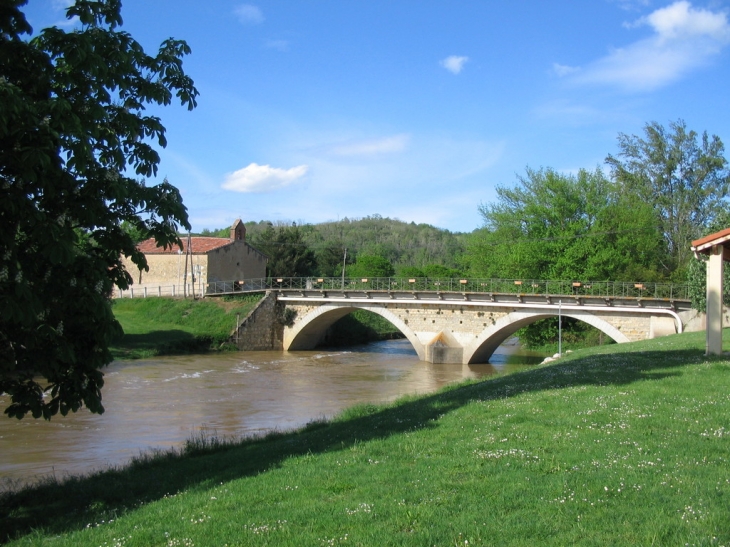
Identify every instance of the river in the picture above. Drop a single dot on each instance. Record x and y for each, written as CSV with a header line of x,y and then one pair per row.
x,y
161,402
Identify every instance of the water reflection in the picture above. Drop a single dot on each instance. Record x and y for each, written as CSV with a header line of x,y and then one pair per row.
x,y
159,403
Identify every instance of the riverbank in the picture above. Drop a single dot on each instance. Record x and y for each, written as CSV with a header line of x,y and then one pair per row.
x,y
176,326
617,445
173,326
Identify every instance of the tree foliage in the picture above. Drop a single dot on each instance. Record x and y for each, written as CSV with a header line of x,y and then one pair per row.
x,y
557,226
371,266
289,255
401,243
331,258
74,144
683,176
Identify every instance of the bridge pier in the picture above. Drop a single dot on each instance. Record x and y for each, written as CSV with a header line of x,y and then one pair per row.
x,y
444,348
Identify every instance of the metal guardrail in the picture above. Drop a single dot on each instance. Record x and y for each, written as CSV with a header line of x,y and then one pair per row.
x,y
617,289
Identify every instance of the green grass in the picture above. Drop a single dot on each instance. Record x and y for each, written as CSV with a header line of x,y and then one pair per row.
x,y
164,326
617,445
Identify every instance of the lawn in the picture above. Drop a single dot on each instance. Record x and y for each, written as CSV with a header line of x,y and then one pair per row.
x,y
616,445
164,326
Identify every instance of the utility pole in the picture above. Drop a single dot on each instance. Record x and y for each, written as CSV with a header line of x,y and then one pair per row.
x,y
185,275
192,266
344,261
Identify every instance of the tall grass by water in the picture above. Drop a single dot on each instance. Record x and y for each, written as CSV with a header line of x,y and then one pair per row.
x,y
616,445
164,326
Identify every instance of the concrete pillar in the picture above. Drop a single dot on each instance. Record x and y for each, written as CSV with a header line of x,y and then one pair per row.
x,y
714,302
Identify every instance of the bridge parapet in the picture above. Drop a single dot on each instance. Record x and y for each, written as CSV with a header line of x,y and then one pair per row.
x,y
611,289
482,298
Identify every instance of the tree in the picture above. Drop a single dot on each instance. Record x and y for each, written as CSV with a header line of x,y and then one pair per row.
x,y
73,148
330,259
410,271
557,226
289,255
438,270
371,266
685,181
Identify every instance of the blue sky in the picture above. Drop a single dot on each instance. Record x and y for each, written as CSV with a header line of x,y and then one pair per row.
x,y
317,110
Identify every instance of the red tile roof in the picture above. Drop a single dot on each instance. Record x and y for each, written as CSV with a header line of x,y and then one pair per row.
x,y
704,244
199,245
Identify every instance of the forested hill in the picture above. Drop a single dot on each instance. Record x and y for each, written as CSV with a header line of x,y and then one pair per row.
x,y
321,247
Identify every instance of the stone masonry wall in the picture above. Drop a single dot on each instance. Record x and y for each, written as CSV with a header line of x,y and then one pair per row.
x,y
164,269
262,328
467,322
236,262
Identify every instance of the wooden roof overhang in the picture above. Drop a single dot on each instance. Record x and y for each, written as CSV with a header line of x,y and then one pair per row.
x,y
705,244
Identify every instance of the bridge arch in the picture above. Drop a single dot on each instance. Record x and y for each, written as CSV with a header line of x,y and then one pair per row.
x,y
309,330
482,348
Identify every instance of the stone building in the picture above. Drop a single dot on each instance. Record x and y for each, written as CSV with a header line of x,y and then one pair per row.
x,y
211,259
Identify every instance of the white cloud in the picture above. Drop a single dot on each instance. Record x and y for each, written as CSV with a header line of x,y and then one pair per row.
x,y
62,6
436,179
249,14
279,45
385,145
632,5
564,70
454,63
262,178
680,21
684,38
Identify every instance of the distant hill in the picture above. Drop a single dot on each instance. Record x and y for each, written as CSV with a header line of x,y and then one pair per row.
x,y
404,244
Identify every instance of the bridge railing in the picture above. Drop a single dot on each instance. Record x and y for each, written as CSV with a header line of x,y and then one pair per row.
x,y
505,286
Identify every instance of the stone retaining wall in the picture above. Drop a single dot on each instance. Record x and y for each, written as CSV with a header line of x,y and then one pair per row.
x,y
262,329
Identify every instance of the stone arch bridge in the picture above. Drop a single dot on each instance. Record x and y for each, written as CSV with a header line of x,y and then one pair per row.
x,y
464,327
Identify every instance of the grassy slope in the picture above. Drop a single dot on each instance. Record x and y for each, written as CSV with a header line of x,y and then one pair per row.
x,y
160,326
619,445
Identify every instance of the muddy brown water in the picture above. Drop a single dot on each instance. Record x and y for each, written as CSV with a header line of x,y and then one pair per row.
x,y
161,402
